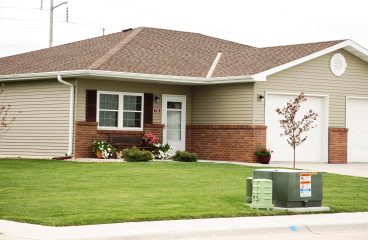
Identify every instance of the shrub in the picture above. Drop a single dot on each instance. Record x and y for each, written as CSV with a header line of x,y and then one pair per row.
x,y
184,156
134,154
264,152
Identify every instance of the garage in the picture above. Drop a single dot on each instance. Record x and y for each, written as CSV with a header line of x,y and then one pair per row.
x,y
315,148
357,124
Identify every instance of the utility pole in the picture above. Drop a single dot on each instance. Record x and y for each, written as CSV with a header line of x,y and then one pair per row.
x,y
51,30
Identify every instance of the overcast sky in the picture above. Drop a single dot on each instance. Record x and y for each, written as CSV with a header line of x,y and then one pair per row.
x,y
24,26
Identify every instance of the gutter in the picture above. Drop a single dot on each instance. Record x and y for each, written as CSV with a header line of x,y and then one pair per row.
x,y
132,76
71,114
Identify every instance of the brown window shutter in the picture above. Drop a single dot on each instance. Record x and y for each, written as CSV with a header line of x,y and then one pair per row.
x,y
148,108
91,105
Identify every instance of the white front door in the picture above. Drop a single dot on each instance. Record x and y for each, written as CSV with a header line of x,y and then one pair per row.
x,y
173,118
314,149
357,124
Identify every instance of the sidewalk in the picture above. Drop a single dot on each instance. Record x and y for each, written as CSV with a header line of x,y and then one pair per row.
x,y
182,228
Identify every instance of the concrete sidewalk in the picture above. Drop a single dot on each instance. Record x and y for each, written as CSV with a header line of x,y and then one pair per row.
x,y
181,228
350,169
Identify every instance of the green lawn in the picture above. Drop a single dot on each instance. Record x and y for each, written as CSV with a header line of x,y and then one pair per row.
x,y
69,193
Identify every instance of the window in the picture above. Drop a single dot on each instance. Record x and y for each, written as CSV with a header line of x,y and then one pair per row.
x,y
109,109
120,110
132,111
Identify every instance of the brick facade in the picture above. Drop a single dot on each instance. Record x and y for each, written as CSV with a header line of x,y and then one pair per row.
x,y
86,133
337,145
226,142
214,142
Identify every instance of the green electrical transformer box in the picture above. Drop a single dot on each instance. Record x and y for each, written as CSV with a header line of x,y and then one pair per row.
x,y
293,188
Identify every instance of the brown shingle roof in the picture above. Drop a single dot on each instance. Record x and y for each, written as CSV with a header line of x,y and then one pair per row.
x,y
158,51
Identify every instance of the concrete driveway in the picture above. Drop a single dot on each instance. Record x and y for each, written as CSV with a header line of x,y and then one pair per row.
x,y
351,169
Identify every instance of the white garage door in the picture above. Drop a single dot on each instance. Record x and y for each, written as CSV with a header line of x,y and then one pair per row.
x,y
357,124
314,149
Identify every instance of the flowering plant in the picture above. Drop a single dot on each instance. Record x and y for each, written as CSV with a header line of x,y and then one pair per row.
x,y
264,152
162,151
150,139
106,148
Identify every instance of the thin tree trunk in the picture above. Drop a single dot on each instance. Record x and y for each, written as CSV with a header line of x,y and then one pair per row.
x,y
294,158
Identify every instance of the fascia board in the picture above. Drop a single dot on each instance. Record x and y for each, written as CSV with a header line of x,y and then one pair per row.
x,y
127,75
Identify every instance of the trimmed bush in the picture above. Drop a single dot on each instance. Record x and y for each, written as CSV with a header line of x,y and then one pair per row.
x,y
184,156
134,154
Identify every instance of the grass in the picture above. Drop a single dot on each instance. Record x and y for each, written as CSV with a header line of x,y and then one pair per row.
x,y
67,193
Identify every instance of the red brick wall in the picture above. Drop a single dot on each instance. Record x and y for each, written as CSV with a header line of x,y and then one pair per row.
x,y
212,142
337,145
226,142
86,133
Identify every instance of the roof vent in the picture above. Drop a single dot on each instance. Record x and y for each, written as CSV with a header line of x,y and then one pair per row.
x,y
338,64
127,30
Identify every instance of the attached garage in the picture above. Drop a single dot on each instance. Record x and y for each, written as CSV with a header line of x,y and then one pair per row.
x,y
357,125
315,148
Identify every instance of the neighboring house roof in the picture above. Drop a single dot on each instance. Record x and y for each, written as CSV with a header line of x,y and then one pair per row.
x,y
151,51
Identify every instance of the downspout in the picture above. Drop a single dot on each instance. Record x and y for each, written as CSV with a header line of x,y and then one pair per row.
x,y
71,114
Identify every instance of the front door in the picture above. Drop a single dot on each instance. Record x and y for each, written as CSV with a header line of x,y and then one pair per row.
x,y
173,118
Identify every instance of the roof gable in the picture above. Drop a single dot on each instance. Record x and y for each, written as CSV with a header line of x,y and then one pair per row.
x,y
325,48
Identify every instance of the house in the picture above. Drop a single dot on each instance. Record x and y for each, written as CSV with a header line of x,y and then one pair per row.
x,y
207,95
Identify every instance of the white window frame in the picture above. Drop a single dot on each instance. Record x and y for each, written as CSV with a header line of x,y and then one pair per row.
x,y
120,111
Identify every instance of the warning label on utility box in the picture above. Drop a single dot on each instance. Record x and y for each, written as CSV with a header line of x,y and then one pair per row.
x,y
305,184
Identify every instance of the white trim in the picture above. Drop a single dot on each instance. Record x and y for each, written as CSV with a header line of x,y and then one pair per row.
x,y
326,102
353,97
348,45
164,116
120,110
213,66
71,114
297,94
124,76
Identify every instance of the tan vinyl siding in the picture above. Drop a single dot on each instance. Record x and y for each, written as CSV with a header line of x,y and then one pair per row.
x,y
222,104
122,86
315,77
40,128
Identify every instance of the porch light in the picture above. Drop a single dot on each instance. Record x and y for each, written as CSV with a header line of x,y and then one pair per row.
x,y
157,99
260,97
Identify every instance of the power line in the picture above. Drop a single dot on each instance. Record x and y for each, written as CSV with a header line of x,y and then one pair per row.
x,y
22,19
20,8
183,20
42,20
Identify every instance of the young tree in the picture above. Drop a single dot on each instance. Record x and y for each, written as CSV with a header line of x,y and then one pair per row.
x,y
293,128
5,119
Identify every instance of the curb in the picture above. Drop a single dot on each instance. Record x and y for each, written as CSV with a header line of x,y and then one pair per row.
x,y
187,228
